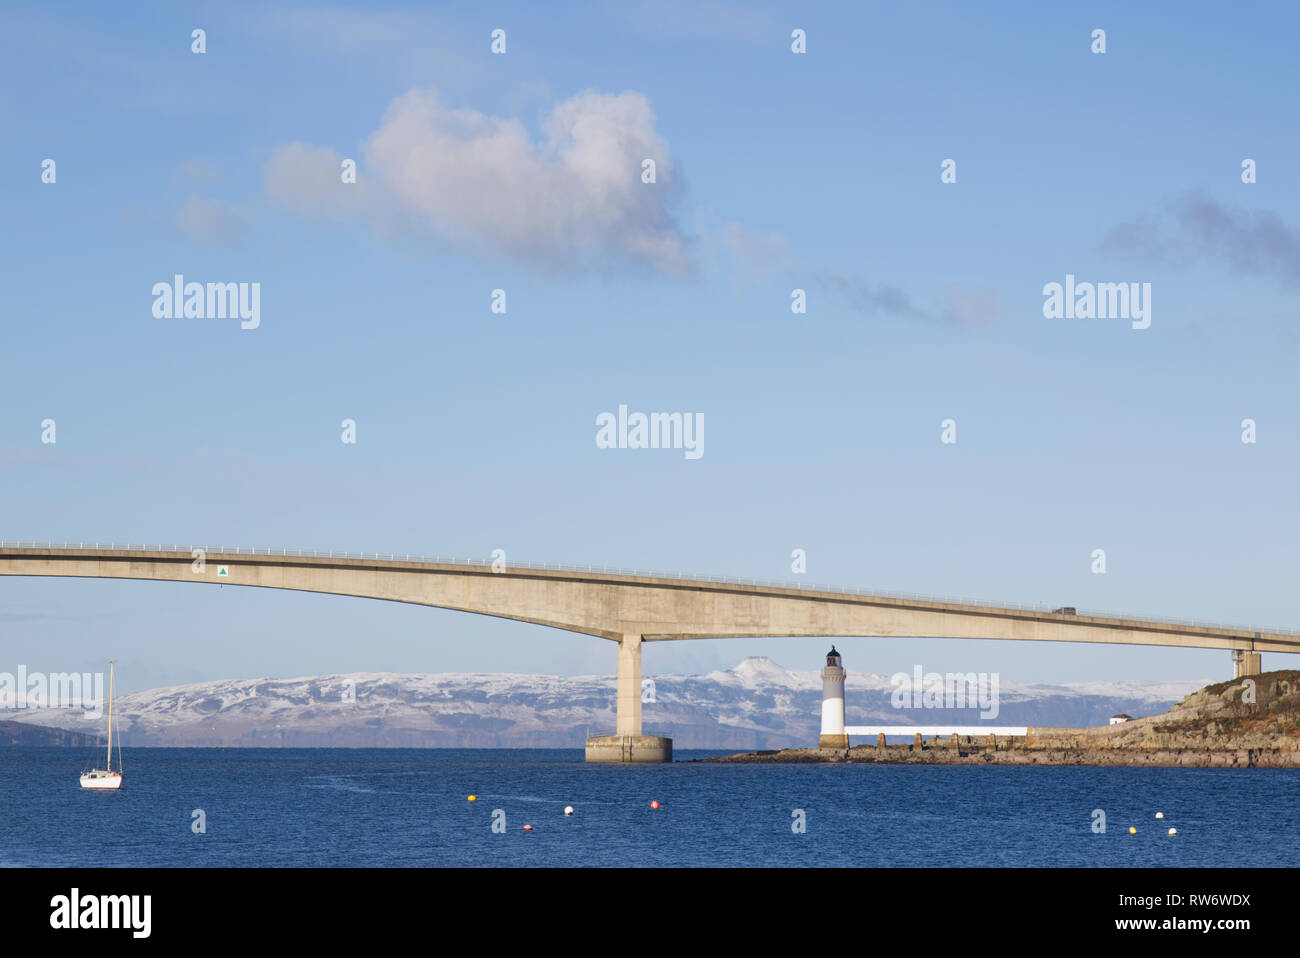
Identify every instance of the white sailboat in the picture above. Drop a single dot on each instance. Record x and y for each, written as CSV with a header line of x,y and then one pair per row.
x,y
106,777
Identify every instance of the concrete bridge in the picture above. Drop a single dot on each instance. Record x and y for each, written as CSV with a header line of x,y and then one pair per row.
x,y
628,607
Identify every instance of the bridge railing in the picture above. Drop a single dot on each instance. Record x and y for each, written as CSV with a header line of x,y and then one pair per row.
x,y
640,573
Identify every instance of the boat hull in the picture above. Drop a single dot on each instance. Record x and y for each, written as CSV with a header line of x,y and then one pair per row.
x,y
111,780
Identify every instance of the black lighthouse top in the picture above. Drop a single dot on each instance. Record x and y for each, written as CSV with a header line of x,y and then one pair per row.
x,y
833,657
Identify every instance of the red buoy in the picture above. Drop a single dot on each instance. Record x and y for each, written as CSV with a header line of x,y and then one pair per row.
x,y
528,828
654,804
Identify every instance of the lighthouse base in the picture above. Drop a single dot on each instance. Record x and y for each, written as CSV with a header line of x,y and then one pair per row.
x,y
629,748
833,741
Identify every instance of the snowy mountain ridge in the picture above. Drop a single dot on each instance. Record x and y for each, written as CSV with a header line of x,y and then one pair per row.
x,y
756,704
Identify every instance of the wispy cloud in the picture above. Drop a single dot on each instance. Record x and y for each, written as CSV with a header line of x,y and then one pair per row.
x,y
308,180
769,255
572,198
707,20
411,45
1196,231
211,223
198,171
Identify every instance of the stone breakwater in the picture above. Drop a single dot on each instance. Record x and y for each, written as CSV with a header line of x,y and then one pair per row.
x,y
1245,723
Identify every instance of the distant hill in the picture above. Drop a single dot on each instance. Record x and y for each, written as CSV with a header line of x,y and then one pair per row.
x,y
758,704
25,733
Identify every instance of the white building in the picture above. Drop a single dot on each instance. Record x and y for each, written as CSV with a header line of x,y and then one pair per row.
x,y
1120,719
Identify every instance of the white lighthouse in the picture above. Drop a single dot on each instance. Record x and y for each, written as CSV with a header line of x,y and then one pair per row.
x,y
833,734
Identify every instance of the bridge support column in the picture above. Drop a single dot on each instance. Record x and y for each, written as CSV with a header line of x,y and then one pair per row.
x,y
627,744
629,686
1244,664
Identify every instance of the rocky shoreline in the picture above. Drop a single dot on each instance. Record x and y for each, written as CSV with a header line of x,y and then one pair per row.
x,y
1020,755
1246,723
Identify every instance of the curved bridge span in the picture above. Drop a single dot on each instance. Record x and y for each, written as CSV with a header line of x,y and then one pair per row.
x,y
629,607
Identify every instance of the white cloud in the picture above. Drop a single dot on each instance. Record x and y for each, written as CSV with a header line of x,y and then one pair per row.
x,y
572,197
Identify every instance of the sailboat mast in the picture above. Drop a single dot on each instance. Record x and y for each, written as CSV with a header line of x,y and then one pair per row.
x,y
110,716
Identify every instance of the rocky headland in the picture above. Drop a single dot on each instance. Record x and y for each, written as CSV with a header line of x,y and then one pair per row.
x,y
1233,724
21,733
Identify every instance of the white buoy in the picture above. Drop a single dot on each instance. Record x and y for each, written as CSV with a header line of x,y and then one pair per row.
x,y
568,809
1160,814
1173,831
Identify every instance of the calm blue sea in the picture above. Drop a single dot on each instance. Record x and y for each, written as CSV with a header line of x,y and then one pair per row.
x,y
367,807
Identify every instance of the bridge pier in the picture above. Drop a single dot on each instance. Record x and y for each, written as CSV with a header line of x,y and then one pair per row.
x,y
1245,664
627,744
629,686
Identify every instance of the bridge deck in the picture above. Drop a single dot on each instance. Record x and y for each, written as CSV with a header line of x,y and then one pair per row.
x,y
942,616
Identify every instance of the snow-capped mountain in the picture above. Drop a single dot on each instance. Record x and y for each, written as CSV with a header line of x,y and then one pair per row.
x,y
757,704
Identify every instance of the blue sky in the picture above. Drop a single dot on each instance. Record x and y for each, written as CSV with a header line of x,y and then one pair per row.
x,y
475,431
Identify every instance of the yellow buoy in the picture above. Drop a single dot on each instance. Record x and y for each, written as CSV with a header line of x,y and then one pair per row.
x,y
1132,831
473,798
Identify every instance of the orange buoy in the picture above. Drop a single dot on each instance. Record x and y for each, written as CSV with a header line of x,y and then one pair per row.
x,y
528,828
654,804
